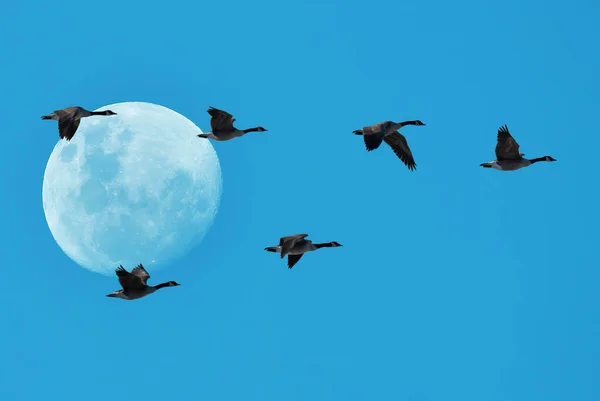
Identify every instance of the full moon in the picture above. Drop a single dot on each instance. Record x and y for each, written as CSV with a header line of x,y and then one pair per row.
x,y
136,187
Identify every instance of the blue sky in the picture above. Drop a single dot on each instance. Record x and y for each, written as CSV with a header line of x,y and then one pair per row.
x,y
454,282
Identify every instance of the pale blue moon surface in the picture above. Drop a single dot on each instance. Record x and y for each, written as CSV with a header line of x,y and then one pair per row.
x,y
136,187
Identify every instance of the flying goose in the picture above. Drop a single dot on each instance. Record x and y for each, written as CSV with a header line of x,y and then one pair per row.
x,y
221,123
296,245
508,157
388,131
134,283
68,119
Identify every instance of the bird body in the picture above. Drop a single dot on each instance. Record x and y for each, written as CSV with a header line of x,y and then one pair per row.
x,y
508,165
132,294
69,118
134,284
387,132
221,123
299,248
223,136
75,111
294,246
508,155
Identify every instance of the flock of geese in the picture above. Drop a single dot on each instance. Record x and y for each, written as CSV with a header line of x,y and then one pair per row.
x,y
134,284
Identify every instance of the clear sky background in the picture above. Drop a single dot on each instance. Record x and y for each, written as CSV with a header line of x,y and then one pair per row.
x,y
454,283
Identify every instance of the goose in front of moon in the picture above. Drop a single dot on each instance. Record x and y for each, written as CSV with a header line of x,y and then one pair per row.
x,y
134,284
68,119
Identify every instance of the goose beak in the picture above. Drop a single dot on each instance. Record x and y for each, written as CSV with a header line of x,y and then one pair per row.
x,y
111,295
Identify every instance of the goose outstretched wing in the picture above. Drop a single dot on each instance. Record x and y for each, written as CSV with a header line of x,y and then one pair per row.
x,y
220,120
399,145
140,272
127,280
293,259
67,122
67,127
507,147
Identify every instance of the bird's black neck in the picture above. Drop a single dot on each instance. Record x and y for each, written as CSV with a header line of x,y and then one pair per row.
x,y
537,159
255,129
409,122
324,245
162,285
99,113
